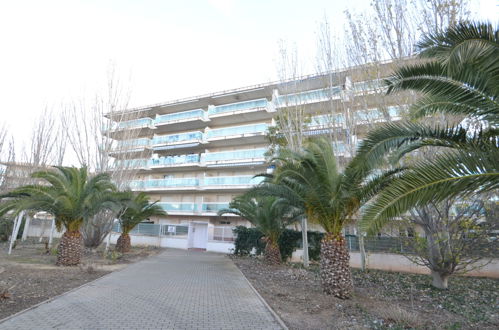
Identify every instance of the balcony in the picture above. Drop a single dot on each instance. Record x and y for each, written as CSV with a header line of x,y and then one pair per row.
x,y
131,164
170,161
179,208
208,183
230,182
314,96
176,142
165,184
234,158
369,87
119,129
213,207
192,119
246,112
237,135
131,146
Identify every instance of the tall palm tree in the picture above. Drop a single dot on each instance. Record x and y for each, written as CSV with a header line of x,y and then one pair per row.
x,y
72,197
136,208
269,214
312,181
460,77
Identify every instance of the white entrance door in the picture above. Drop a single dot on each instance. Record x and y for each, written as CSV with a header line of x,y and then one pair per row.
x,y
200,233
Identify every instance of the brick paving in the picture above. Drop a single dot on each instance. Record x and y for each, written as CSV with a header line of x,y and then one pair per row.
x,y
175,290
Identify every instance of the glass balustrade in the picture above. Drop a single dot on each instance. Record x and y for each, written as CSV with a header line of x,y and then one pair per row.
x,y
136,123
172,160
368,115
179,207
233,155
214,207
231,180
394,111
130,163
236,130
143,142
247,105
191,114
309,96
327,120
194,182
164,183
165,139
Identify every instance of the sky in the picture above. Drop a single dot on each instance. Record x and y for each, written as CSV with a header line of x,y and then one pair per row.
x,y
55,51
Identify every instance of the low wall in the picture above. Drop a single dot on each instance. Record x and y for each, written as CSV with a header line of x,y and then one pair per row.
x,y
173,242
37,231
221,247
399,263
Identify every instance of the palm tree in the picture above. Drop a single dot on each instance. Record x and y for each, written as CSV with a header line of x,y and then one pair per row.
x,y
459,77
136,208
269,214
311,181
72,197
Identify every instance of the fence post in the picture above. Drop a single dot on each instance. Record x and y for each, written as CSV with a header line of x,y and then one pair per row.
x,y
350,243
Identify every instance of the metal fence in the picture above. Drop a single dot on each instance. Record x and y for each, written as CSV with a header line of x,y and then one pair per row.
x,y
224,234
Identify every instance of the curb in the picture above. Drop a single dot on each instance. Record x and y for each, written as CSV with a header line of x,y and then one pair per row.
x,y
274,314
66,293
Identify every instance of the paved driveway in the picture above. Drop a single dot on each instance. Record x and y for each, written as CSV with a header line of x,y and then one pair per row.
x,y
174,290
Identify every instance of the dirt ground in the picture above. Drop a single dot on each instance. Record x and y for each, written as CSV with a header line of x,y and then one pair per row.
x,y
29,275
381,300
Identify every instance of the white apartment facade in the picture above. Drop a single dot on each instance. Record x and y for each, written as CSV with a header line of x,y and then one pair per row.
x,y
195,154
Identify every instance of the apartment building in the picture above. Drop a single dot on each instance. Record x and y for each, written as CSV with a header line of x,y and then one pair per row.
x,y
194,155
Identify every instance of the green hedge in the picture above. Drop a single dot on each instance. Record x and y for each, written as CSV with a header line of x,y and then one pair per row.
x,y
248,239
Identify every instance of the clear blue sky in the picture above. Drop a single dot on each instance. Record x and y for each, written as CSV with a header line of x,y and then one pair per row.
x,y
58,50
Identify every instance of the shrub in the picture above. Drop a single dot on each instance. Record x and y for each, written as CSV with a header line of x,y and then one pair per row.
x,y
248,239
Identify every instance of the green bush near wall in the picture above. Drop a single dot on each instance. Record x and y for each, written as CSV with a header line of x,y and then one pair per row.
x,y
248,239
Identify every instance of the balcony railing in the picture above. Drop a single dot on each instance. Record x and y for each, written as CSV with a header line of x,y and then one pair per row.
x,y
181,116
131,144
231,180
213,207
240,106
174,160
131,163
236,130
327,120
164,183
179,207
223,181
174,138
313,96
136,123
233,155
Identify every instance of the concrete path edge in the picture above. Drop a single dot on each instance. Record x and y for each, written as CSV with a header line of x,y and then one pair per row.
x,y
63,294
274,314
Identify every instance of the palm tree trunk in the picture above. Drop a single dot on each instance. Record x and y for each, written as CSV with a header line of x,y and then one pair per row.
x,y
70,249
123,244
272,254
335,266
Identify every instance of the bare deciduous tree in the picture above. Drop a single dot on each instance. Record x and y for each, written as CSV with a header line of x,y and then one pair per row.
x,y
96,135
455,236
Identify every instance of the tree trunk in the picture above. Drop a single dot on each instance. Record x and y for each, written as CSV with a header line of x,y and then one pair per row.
x,y
439,280
70,249
335,267
272,254
123,244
